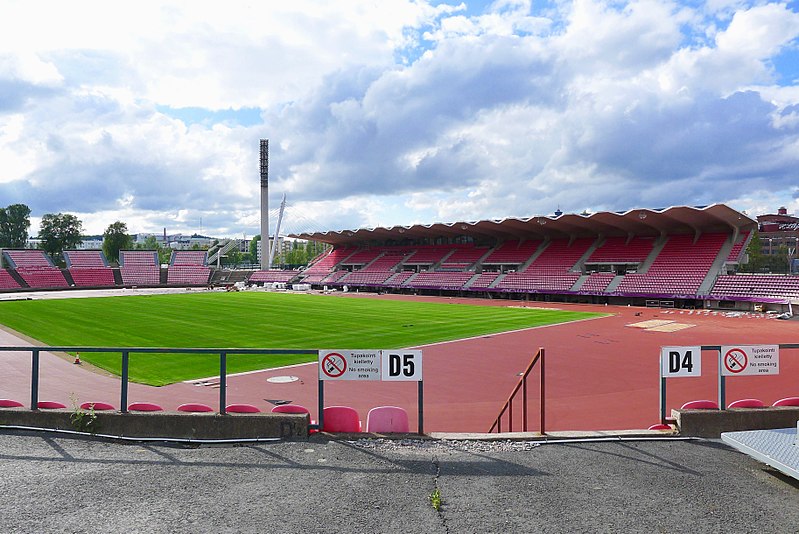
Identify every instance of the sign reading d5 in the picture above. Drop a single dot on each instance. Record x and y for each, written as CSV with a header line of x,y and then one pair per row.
x,y
402,365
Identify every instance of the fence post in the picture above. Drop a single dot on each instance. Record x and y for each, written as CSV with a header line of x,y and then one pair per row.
x,y
123,396
222,382
420,400
543,394
34,379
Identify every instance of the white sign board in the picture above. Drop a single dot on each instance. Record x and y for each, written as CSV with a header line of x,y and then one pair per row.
x,y
680,361
349,365
402,365
739,360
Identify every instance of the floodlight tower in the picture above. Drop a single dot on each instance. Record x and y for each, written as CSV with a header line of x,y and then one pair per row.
x,y
264,204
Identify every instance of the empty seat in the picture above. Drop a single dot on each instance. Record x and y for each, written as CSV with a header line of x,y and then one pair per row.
x,y
9,403
660,426
195,407
787,401
386,419
50,405
700,405
242,408
290,408
340,419
746,403
294,408
144,407
96,406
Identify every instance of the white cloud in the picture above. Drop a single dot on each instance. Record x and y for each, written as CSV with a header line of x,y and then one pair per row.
x,y
393,112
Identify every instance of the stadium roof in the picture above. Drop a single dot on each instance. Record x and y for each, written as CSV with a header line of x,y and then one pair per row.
x,y
639,222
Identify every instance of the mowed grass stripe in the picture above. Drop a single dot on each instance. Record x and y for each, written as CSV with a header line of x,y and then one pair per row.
x,y
252,320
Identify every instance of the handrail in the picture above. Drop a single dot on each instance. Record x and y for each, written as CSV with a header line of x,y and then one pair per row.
x,y
508,406
125,353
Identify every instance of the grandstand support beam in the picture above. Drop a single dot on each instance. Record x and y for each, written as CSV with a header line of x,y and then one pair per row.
x,y
264,204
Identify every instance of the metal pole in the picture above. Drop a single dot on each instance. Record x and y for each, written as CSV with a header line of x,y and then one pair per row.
x,y
663,398
722,384
222,382
510,416
123,400
321,404
543,395
420,400
34,379
524,405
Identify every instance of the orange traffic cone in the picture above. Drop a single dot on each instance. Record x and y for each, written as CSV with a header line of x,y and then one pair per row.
x,y
77,358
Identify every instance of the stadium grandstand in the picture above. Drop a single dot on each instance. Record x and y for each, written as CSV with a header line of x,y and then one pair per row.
x,y
682,256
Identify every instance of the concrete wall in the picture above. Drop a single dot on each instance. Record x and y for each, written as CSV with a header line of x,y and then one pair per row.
x,y
168,424
711,423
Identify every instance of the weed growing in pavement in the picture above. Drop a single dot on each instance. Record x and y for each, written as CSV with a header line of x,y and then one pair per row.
x,y
435,499
83,420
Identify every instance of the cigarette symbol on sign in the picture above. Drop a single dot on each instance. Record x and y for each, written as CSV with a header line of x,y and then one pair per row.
x,y
735,360
334,365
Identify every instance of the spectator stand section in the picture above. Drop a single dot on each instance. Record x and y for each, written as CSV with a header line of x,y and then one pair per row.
x,y
680,254
273,276
89,268
139,268
188,268
35,269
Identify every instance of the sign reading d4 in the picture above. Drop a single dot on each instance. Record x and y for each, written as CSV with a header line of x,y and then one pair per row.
x,y
680,361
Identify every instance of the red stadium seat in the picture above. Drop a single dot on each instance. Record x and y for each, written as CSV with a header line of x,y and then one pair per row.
x,y
144,407
242,408
787,401
50,405
341,419
9,403
387,419
660,426
700,405
97,406
195,407
746,403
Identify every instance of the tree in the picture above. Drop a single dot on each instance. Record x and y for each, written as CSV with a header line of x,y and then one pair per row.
x,y
233,257
116,238
254,249
59,232
151,243
14,224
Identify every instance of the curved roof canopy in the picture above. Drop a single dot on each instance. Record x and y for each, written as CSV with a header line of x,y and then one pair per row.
x,y
636,222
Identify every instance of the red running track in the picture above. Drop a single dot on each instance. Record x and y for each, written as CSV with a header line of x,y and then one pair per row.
x,y
600,374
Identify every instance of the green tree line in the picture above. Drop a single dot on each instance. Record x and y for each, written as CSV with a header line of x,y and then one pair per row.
x,y
63,231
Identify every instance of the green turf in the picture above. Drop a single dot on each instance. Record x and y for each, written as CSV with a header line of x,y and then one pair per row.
x,y
252,320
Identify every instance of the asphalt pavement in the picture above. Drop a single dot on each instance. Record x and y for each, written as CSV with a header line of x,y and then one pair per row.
x,y
54,483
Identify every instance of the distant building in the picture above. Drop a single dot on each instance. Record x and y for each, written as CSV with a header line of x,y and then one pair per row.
x,y
779,230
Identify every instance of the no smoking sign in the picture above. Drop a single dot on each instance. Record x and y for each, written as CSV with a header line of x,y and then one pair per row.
x,y
743,360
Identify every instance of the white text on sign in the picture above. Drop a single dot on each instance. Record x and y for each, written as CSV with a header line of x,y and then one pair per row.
x,y
680,361
740,360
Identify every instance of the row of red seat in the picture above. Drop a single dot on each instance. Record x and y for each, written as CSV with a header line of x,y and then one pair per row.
x,y
382,419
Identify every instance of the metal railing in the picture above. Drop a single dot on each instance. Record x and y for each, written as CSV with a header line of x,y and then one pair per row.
x,y
522,384
125,353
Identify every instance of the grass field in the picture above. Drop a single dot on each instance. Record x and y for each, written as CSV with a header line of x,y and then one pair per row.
x,y
252,320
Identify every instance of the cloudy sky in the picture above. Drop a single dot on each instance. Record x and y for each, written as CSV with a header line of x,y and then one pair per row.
x,y
394,112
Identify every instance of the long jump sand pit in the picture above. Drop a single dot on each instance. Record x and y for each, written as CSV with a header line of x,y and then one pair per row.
x,y
600,373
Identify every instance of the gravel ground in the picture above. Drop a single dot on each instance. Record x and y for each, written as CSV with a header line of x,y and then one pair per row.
x,y
52,483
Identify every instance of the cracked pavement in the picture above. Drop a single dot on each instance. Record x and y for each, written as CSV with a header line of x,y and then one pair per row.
x,y
53,483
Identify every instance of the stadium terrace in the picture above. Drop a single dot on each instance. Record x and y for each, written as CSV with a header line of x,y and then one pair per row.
x,y
679,256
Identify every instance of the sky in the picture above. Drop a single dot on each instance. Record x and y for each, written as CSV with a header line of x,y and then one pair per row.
x,y
394,112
